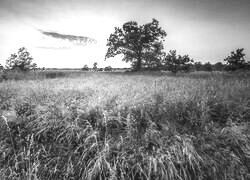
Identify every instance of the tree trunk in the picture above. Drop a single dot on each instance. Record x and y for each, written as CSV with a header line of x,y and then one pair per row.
x,y
138,64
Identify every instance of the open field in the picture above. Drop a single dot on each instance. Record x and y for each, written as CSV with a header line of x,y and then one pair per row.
x,y
96,125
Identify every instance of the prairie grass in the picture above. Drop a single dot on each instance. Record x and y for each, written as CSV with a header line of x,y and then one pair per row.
x,y
126,126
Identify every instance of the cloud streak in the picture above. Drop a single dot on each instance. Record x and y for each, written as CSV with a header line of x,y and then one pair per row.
x,y
77,40
53,48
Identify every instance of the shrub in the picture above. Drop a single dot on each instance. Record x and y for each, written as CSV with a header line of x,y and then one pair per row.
x,y
85,68
95,66
108,68
1,68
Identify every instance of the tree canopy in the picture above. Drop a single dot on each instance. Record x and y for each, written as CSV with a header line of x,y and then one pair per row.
x,y
20,61
85,68
136,42
175,63
236,60
95,66
1,67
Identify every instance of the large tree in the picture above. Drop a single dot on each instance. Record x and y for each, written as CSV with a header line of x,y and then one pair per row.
x,y
21,61
135,42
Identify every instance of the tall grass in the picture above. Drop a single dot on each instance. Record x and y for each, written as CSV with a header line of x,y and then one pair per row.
x,y
126,126
37,74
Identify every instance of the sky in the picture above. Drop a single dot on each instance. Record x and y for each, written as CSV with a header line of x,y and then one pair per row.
x,y
72,33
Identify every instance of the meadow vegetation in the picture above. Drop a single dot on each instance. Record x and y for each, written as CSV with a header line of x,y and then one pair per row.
x,y
141,125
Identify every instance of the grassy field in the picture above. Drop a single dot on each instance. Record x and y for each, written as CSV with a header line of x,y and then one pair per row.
x,y
89,125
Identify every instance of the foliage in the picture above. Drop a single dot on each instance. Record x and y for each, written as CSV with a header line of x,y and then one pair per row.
x,y
218,66
108,68
175,63
142,46
199,66
207,67
154,58
21,61
1,67
236,60
85,68
95,66
136,42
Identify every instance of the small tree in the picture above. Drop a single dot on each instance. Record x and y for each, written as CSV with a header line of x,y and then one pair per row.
x,y
21,61
236,60
95,66
85,68
135,42
175,63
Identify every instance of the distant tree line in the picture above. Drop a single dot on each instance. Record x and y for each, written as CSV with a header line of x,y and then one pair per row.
x,y
235,61
142,46
95,68
177,63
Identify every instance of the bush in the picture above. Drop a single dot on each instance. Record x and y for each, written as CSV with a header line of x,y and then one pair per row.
x,y
108,68
1,68
85,68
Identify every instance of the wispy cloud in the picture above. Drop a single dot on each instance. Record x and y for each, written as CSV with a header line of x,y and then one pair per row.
x,y
77,40
53,48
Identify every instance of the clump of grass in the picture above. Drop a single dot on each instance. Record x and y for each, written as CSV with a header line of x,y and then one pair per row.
x,y
17,75
52,75
6,96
